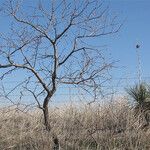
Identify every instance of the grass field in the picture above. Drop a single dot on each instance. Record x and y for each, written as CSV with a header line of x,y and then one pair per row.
x,y
99,127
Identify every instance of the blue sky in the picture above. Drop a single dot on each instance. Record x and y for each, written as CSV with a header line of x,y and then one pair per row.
x,y
135,30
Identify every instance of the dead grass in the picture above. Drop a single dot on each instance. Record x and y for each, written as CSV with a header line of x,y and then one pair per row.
x,y
107,127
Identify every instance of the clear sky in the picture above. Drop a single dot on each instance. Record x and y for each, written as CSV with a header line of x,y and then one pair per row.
x,y
135,15
135,30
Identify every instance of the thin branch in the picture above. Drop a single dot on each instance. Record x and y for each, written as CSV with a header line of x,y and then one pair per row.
x,y
35,97
33,26
28,68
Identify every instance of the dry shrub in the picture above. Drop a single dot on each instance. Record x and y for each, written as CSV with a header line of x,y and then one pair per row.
x,y
99,127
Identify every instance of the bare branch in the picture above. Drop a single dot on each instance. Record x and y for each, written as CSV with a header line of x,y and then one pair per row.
x,y
33,26
35,97
54,43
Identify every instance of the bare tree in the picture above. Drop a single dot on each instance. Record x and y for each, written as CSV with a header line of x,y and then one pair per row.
x,y
53,42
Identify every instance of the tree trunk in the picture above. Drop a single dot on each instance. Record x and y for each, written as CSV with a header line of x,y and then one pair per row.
x,y
48,127
46,118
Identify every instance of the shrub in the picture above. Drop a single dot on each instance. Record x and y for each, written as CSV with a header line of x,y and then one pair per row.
x,y
140,94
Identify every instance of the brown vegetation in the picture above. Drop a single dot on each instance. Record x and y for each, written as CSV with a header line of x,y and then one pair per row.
x,y
101,127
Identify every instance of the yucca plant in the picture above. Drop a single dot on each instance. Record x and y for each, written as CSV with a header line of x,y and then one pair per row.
x,y
140,94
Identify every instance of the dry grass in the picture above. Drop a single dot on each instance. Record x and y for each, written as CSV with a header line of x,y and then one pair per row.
x,y
107,127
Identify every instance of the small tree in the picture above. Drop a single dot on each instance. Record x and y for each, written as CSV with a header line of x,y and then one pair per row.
x,y
52,42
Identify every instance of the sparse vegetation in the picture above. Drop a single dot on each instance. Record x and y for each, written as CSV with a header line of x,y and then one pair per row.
x,y
51,46
100,127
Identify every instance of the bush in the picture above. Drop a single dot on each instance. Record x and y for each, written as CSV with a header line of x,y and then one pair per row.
x,y
140,94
